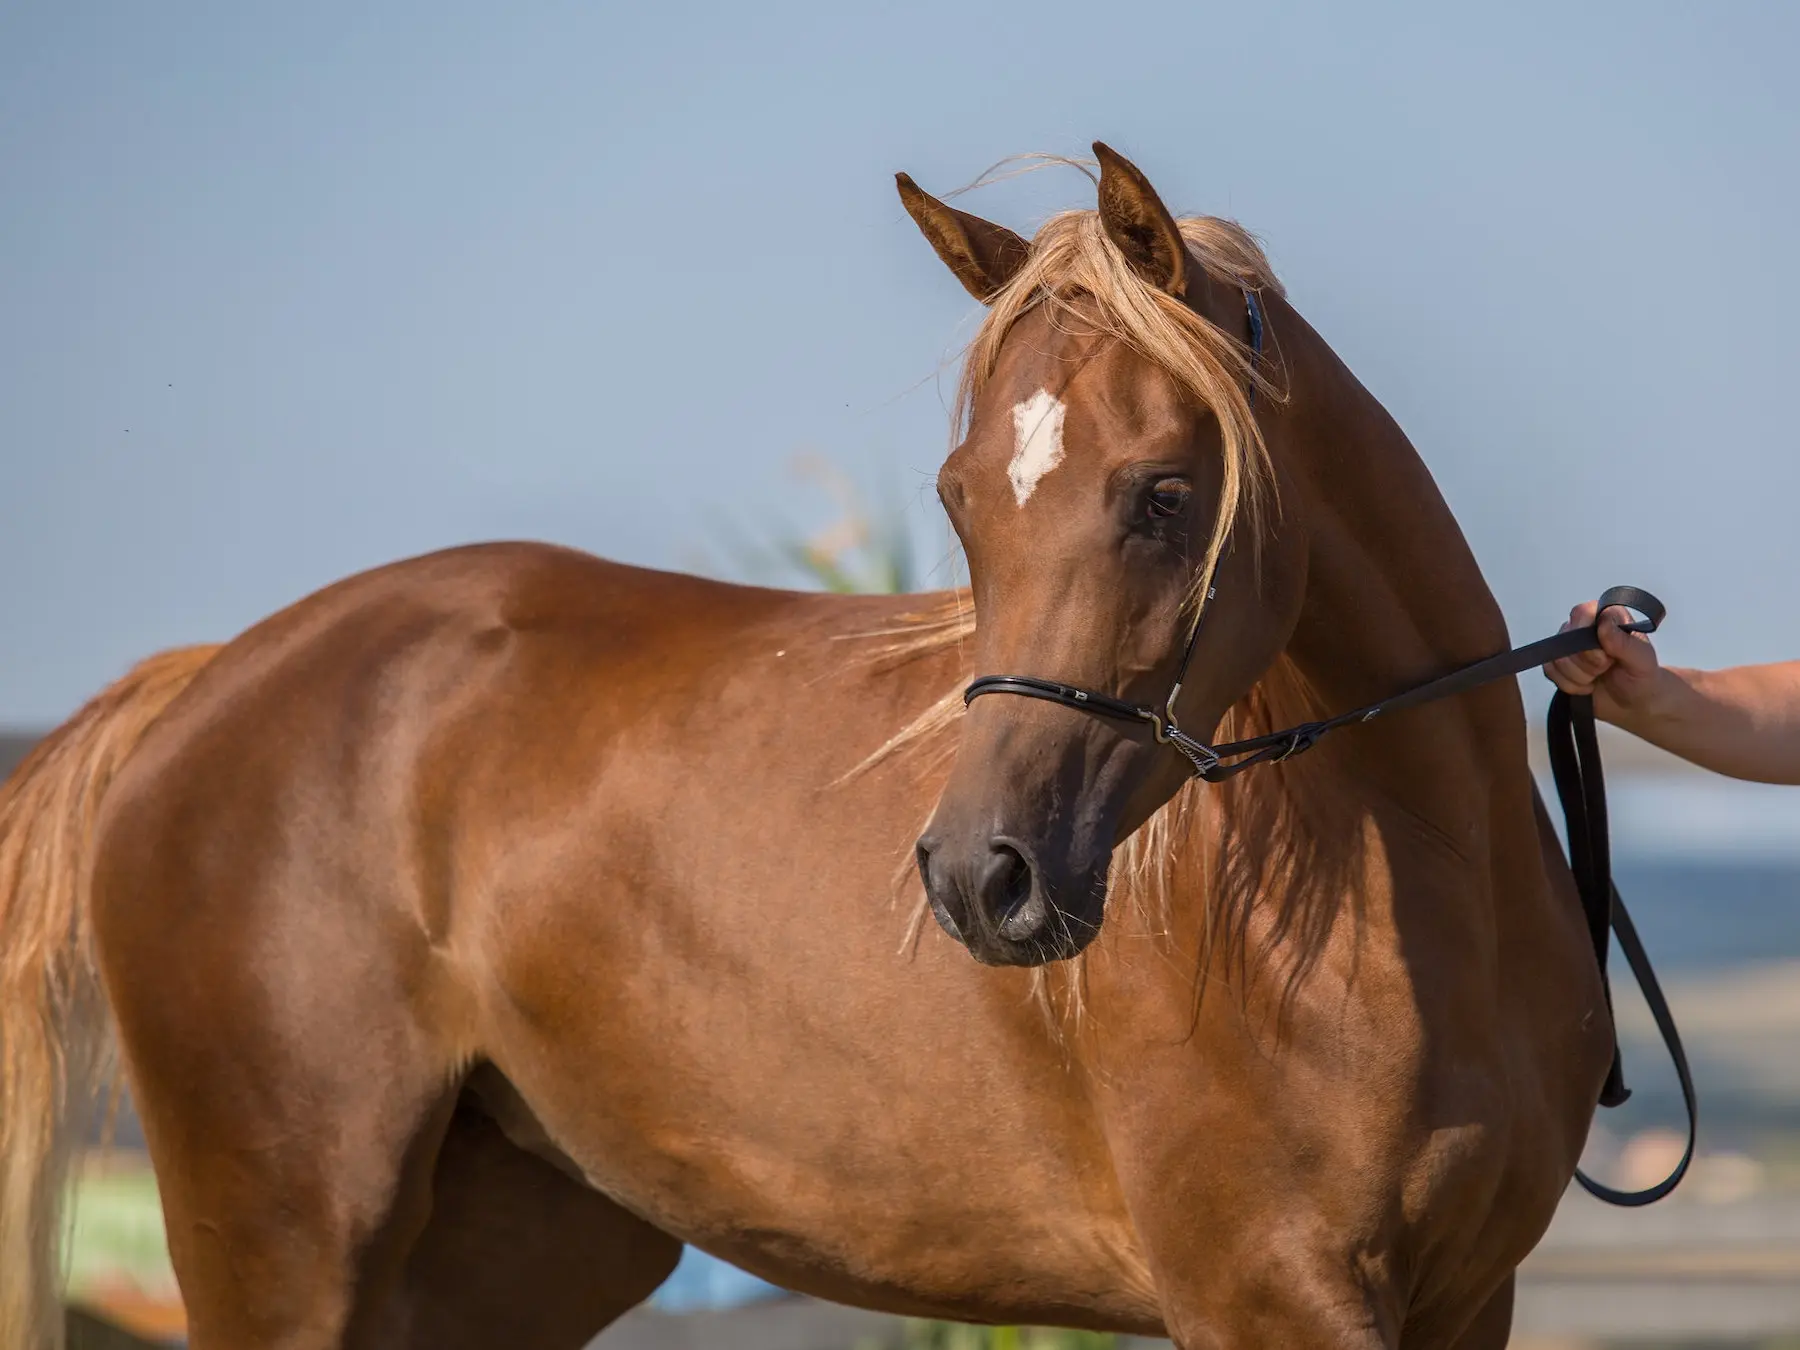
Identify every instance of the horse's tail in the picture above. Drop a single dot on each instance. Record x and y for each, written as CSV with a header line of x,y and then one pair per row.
x,y
55,1036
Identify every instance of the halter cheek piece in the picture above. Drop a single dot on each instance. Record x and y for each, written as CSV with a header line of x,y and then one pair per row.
x,y
1574,762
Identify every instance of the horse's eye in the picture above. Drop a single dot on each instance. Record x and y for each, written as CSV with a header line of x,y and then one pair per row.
x,y
1168,498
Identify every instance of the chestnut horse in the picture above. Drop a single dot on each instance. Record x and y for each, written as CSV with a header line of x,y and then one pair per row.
x,y
483,927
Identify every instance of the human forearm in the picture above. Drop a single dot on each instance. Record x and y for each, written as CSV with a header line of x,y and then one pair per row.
x,y
1743,721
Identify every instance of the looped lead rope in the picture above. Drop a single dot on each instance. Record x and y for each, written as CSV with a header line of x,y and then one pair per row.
x,y
1575,765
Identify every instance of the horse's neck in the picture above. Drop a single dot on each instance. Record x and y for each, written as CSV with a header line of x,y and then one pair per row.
x,y
1394,594
1396,813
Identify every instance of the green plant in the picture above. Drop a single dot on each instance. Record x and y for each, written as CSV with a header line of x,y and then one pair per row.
x,y
863,551
115,1236
923,1335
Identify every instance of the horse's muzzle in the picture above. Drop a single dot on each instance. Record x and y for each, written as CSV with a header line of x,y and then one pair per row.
x,y
995,900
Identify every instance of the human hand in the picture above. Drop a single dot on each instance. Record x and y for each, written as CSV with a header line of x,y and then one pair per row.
x,y
1623,675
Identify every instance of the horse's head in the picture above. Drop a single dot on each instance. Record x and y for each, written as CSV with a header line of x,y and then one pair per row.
x,y
1112,473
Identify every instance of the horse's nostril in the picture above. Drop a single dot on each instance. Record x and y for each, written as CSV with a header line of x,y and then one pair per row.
x,y
990,894
922,852
1012,886
1008,895
947,904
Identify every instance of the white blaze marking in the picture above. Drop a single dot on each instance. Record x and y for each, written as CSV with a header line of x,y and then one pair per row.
x,y
1037,427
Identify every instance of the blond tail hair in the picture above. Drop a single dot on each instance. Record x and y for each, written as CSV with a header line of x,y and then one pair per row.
x,y
55,1038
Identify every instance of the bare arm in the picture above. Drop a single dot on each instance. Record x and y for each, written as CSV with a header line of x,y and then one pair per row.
x,y
1742,721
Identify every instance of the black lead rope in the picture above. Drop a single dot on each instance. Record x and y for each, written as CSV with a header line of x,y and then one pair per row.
x,y
1574,764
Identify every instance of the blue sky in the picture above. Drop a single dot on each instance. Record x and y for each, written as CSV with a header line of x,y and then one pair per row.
x,y
289,291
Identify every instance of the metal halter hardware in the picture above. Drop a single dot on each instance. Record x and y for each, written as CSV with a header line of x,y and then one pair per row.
x,y
1575,766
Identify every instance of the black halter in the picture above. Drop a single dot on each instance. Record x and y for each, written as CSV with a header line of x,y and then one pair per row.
x,y
1574,763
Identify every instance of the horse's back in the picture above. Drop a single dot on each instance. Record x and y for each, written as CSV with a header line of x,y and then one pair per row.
x,y
339,732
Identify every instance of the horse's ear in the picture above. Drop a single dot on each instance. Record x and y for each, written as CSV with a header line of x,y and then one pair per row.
x,y
1138,222
984,256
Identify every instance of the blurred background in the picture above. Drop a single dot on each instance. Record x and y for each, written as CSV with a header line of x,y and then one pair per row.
x,y
288,292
